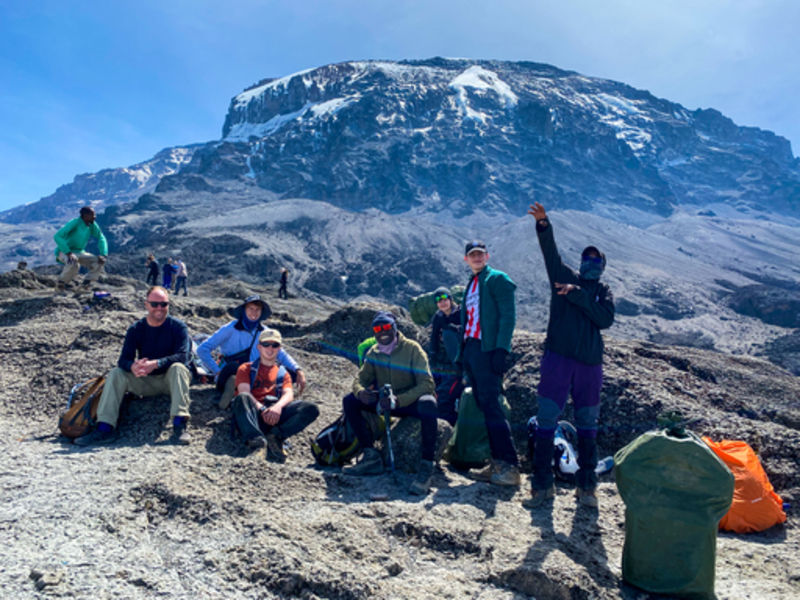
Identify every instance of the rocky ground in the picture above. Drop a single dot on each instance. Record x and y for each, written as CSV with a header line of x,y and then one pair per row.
x,y
143,518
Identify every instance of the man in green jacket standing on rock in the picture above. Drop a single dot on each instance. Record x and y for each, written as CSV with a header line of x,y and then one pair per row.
x,y
488,316
71,242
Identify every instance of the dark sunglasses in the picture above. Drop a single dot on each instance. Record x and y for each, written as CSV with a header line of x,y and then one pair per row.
x,y
270,344
158,304
441,297
595,259
384,327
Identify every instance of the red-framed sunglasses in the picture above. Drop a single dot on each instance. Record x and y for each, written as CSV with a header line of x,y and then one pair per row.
x,y
384,327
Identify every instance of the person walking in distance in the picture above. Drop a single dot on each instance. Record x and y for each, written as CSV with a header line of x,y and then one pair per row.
x,y
152,270
182,275
282,291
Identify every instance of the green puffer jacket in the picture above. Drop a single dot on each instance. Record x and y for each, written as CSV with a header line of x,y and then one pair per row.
x,y
74,236
406,369
498,311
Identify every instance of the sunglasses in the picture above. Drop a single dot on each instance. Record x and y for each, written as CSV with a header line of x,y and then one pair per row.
x,y
270,344
595,259
440,298
158,304
384,327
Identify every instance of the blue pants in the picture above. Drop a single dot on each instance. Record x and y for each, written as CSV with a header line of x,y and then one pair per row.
x,y
181,282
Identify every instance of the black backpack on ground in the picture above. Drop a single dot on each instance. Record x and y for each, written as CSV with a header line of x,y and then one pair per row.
x,y
335,444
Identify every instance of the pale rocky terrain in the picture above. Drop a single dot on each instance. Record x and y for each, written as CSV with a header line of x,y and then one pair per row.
x,y
142,518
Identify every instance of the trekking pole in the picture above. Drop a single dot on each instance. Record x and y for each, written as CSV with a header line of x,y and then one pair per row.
x,y
386,404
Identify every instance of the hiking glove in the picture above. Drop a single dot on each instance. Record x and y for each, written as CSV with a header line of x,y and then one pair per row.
x,y
102,259
498,361
366,396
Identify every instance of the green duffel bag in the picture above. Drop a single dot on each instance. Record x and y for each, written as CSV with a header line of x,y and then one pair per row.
x,y
675,490
423,307
469,445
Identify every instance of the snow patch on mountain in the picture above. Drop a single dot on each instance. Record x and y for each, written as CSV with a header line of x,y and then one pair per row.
x,y
246,96
331,107
478,78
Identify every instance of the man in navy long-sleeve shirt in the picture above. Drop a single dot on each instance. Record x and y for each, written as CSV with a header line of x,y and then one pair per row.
x,y
153,361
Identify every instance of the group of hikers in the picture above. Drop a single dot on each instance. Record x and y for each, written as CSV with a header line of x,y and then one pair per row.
x,y
173,267
256,376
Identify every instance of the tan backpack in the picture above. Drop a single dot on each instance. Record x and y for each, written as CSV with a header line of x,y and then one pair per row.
x,y
81,414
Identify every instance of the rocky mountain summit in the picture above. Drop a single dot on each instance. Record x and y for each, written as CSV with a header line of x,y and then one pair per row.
x,y
141,517
466,135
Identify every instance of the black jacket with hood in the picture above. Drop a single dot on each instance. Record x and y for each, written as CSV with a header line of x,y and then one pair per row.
x,y
577,318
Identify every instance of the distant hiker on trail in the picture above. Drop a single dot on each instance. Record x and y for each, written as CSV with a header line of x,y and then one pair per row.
x,y
153,361
282,291
180,280
71,242
237,341
167,271
580,306
265,410
487,320
152,270
401,362
445,340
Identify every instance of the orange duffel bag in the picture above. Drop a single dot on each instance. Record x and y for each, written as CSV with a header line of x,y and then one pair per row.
x,y
756,506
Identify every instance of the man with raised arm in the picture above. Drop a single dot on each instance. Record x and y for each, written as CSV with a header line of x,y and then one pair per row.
x,y
580,307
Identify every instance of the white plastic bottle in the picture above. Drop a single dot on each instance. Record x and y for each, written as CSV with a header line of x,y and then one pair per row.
x,y
568,463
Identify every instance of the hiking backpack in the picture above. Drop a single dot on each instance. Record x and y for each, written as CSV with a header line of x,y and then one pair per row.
x,y
81,414
335,444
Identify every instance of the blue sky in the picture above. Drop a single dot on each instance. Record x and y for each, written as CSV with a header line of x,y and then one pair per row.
x,y
92,84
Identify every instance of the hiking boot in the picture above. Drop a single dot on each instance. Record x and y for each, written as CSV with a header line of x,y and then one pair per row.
x,y
586,497
484,474
539,497
370,463
275,451
180,435
505,474
97,437
422,482
256,442
61,287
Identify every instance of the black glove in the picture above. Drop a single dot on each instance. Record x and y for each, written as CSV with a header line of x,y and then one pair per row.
x,y
499,361
102,259
366,396
387,402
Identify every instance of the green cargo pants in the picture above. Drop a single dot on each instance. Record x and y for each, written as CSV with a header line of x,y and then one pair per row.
x,y
174,382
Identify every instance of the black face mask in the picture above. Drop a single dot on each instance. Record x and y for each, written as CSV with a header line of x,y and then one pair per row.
x,y
591,269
